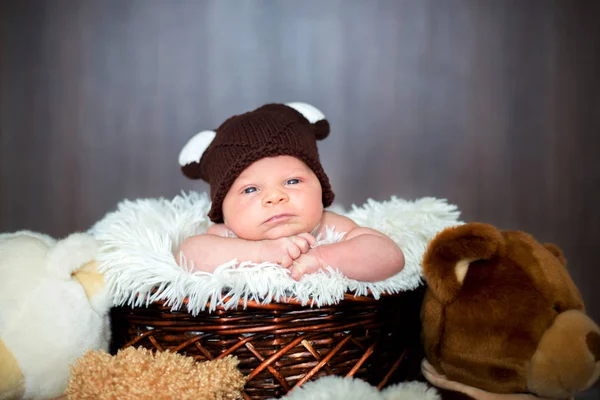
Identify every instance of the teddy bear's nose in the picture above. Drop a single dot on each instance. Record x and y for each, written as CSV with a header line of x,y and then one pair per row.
x,y
593,342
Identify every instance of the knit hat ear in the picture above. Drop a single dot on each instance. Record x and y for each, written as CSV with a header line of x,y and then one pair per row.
x,y
314,116
191,153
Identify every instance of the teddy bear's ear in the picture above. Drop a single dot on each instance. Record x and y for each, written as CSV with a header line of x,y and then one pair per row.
x,y
557,252
451,252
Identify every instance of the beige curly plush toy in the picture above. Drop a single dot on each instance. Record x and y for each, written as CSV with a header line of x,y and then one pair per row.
x,y
138,373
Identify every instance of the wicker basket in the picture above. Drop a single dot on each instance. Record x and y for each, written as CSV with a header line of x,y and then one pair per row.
x,y
283,345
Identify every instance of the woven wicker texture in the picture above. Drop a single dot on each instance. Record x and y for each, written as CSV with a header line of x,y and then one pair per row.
x,y
283,345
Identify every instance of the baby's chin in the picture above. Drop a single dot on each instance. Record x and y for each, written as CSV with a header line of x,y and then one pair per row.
x,y
277,232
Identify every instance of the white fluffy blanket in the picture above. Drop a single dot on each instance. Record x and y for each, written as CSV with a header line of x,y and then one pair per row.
x,y
140,242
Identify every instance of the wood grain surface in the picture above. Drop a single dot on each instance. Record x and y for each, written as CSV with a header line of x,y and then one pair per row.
x,y
493,105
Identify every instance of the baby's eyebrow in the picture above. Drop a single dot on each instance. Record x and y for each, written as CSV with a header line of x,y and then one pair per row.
x,y
243,182
297,171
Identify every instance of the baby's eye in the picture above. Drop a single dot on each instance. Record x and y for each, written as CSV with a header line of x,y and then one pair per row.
x,y
249,190
293,181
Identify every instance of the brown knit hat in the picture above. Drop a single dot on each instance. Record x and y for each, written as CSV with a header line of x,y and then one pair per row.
x,y
271,130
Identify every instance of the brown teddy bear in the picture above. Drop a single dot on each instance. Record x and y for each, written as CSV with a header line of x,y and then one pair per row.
x,y
502,316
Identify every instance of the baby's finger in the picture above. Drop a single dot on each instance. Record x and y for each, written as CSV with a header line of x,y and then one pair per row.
x,y
297,271
309,238
293,249
302,243
286,262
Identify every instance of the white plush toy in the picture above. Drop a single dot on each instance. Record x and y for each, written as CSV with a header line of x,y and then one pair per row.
x,y
53,308
337,387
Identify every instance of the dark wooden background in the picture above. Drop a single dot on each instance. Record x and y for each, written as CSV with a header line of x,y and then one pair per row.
x,y
494,105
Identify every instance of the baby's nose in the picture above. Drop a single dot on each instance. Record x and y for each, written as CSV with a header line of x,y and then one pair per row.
x,y
275,197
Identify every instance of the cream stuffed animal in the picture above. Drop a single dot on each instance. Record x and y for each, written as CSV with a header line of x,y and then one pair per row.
x,y
54,307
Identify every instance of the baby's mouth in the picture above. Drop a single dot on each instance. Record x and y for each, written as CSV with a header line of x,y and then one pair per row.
x,y
278,218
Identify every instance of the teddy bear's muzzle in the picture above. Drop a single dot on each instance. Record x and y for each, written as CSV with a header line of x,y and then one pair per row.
x,y
567,360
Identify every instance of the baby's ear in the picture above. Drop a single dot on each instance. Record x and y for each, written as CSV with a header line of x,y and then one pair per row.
x,y
451,252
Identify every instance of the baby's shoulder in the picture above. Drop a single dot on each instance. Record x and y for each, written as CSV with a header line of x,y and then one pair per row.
x,y
339,222
219,230
346,225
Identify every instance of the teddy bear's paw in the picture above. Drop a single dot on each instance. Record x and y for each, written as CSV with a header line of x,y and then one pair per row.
x,y
12,382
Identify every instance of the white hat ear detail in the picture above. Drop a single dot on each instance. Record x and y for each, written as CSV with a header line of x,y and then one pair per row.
x,y
311,113
195,147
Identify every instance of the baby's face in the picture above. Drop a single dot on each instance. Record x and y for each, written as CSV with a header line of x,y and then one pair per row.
x,y
274,197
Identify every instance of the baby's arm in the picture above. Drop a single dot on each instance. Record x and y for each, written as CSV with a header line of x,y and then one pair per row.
x,y
209,250
365,254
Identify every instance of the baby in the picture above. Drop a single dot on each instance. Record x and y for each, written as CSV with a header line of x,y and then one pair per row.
x,y
269,191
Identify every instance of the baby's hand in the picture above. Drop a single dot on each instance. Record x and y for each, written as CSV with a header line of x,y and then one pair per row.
x,y
285,250
308,263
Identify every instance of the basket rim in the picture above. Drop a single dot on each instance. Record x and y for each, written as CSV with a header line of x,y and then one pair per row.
x,y
284,303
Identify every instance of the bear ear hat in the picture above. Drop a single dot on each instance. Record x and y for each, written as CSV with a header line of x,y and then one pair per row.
x,y
311,113
195,147
314,116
